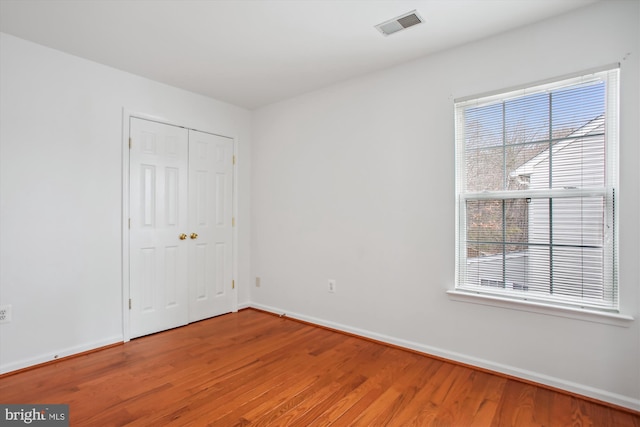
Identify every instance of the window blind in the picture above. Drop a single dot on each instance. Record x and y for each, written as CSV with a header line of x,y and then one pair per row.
x,y
537,172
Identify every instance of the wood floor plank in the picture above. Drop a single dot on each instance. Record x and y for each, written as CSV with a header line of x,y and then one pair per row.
x,y
352,405
255,369
482,403
418,386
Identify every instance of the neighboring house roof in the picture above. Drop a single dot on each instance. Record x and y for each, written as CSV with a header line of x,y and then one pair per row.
x,y
593,128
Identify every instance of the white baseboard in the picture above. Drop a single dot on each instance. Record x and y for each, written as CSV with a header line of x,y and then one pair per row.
x,y
243,306
58,354
581,389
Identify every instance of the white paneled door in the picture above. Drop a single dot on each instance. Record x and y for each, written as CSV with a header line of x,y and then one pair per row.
x,y
159,159
210,225
181,193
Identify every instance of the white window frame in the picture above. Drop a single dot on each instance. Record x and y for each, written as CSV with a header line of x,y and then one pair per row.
x,y
510,299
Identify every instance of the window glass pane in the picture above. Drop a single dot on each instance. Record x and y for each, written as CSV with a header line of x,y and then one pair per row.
x,y
483,126
526,162
578,221
484,225
527,119
484,170
578,272
579,162
485,265
575,106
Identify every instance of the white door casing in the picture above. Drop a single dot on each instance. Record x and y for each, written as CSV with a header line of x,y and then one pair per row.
x,y
180,185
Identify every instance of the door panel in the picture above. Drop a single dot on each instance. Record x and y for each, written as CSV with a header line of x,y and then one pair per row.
x,y
158,211
210,214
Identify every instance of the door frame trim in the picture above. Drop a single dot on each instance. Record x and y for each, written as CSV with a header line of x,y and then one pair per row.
x,y
126,259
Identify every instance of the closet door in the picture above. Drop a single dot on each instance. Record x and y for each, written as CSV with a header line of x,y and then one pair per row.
x,y
210,225
158,241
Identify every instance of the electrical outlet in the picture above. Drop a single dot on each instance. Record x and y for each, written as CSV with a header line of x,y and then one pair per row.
x,y
257,282
332,286
5,313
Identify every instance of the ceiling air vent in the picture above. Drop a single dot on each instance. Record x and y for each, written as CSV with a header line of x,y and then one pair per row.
x,y
402,22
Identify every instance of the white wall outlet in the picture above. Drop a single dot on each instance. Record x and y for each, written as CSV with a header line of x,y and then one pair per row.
x,y
257,282
332,286
5,313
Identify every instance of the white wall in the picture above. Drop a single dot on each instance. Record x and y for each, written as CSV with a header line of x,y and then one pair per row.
x,y
61,194
355,183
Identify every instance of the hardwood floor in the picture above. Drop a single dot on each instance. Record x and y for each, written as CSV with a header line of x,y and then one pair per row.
x,y
255,369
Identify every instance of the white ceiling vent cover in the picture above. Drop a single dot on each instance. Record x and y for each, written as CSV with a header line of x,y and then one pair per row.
x,y
401,22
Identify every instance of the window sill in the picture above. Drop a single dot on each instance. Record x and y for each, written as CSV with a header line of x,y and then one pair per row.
x,y
614,319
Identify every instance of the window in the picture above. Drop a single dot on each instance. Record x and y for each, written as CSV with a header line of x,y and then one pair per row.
x,y
537,172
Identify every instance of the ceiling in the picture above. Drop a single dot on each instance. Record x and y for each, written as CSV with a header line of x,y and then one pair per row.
x,y
255,52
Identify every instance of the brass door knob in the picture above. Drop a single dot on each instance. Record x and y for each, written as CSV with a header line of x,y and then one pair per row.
x,y
183,236
194,235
